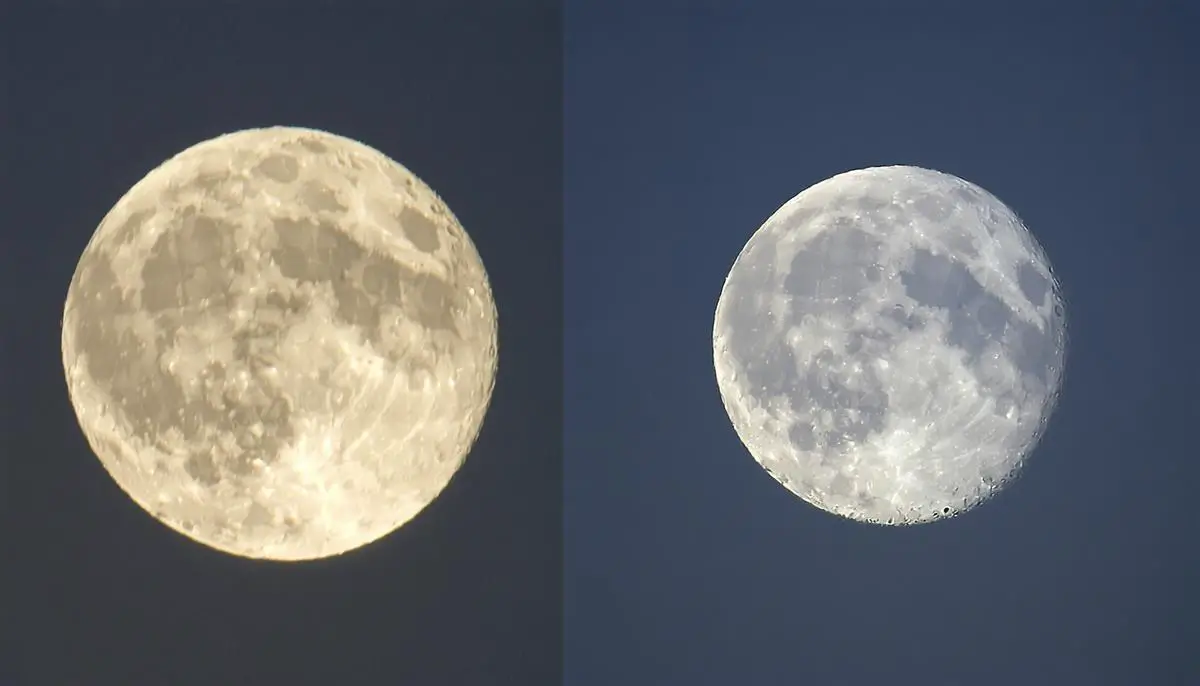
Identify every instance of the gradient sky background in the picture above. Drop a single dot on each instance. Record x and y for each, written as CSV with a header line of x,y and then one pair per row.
x,y
469,592
685,562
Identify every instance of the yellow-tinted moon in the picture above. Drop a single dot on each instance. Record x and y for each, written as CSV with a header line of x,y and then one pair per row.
x,y
280,343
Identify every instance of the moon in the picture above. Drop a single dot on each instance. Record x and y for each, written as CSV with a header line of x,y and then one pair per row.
x,y
890,345
280,343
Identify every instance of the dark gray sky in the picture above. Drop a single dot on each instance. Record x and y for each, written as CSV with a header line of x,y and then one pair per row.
x,y
469,98
685,563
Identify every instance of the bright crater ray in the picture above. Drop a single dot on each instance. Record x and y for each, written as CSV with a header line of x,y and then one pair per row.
x,y
280,343
889,345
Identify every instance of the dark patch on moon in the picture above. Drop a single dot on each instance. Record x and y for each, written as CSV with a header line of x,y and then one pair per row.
x,y
118,360
419,230
378,280
976,316
432,300
257,515
1032,283
832,268
185,267
279,167
933,207
357,307
207,182
313,251
939,281
200,466
318,197
911,321
960,241
868,205
865,502
320,252
313,145
802,436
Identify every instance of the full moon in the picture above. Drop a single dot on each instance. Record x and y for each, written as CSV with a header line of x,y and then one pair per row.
x,y
280,343
890,344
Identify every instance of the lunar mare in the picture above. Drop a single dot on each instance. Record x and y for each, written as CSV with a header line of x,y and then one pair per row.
x,y
890,344
281,343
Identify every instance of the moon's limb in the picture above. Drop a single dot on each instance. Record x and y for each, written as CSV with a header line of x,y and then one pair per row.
x,y
281,343
890,344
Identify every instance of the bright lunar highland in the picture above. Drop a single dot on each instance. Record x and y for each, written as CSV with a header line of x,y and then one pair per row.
x,y
280,343
890,344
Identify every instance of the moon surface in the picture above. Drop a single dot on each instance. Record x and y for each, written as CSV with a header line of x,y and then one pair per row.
x,y
890,344
280,343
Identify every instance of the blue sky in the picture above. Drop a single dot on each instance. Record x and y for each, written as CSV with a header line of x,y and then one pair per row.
x,y
686,126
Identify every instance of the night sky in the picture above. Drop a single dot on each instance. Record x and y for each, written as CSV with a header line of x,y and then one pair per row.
x,y
468,98
685,563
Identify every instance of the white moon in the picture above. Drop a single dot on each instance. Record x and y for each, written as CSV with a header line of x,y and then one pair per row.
x,y
280,343
890,344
